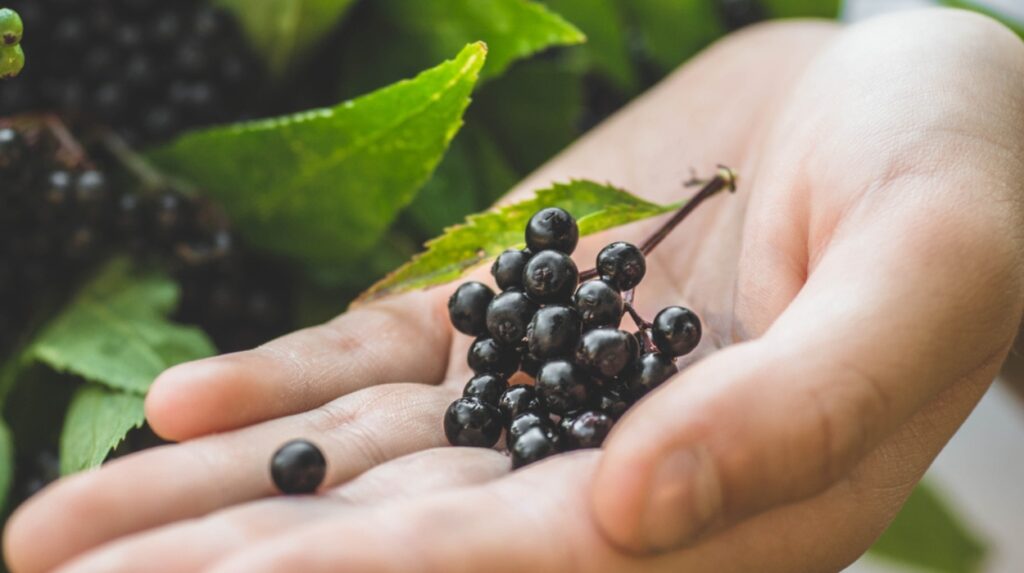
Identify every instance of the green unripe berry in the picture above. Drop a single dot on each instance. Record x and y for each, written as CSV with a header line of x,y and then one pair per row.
x,y
11,27
12,60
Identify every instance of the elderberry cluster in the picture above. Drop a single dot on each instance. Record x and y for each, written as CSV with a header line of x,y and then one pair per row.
x,y
59,217
564,335
147,68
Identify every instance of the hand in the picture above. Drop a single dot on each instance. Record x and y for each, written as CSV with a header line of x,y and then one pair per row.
x,y
859,294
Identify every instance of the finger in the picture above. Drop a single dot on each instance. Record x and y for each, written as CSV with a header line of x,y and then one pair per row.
x,y
404,339
880,327
194,545
167,484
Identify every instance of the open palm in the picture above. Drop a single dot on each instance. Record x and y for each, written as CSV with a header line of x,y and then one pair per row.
x,y
859,293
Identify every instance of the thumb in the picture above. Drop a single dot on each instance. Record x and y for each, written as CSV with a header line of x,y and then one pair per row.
x,y
879,328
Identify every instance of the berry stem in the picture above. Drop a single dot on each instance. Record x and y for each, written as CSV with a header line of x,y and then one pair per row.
x,y
637,319
725,178
150,177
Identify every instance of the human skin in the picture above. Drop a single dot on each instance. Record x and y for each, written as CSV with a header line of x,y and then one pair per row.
x,y
859,294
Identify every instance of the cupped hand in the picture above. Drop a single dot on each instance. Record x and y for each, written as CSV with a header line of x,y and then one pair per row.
x,y
859,294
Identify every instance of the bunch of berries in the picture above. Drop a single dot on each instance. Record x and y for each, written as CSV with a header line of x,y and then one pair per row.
x,y
12,57
564,335
149,69
59,215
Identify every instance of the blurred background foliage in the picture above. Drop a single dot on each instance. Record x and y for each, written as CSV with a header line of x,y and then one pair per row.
x,y
553,70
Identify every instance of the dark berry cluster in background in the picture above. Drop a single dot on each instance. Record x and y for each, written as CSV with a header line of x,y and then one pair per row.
x,y
59,215
147,68
564,335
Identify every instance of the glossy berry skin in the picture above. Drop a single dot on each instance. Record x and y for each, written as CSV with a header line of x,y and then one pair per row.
x,y
651,371
472,423
533,446
298,467
587,430
553,332
563,387
676,331
518,400
507,269
523,423
486,356
508,316
613,399
599,304
550,276
487,387
467,308
554,229
622,264
606,352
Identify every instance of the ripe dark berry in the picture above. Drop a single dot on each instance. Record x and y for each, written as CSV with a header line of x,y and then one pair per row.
x,y
518,400
614,399
487,387
651,371
508,269
563,387
488,357
13,150
599,304
508,316
550,276
606,352
533,446
587,430
473,423
553,332
622,264
524,422
552,228
676,331
467,308
530,364
298,467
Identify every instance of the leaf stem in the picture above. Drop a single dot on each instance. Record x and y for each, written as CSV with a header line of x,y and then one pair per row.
x,y
725,178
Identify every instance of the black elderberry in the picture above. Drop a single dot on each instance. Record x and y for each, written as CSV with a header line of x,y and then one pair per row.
x,y
587,430
473,423
13,151
507,269
524,422
651,371
467,308
553,332
530,364
622,264
508,316
550,276
488,357
613,398
606,352
599,304
518,400
534,445
676,331
487,387
554,229
298,467
563,387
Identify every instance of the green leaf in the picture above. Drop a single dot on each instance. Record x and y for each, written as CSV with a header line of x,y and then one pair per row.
x,y
323,186
606,50
6,464
1016,25
483,236
803,8
927,534
512,29
674,30
115,331
97,421
284,31
533,112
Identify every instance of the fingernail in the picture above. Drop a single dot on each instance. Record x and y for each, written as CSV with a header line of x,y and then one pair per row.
x,y
685,497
